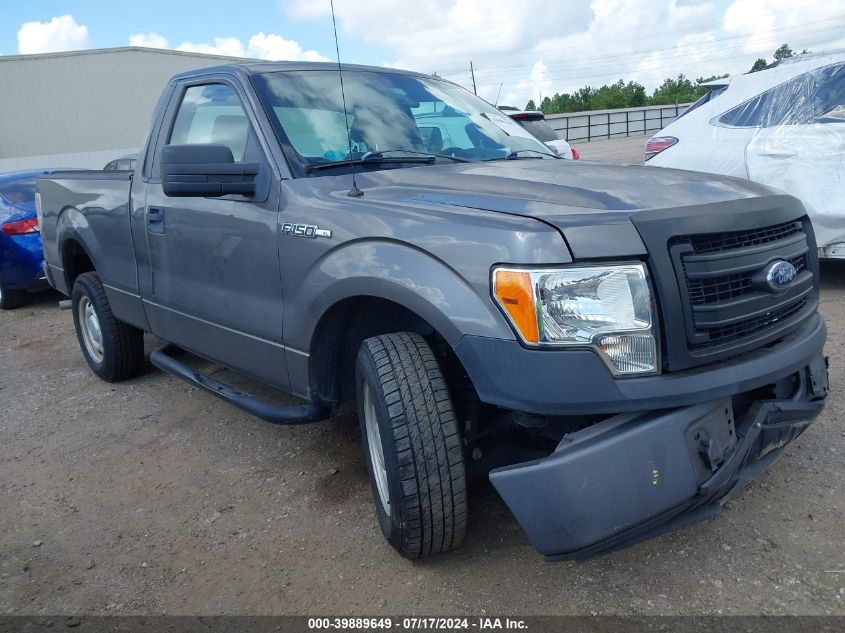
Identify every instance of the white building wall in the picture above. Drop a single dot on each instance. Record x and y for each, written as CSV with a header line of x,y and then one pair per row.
x,y
83,108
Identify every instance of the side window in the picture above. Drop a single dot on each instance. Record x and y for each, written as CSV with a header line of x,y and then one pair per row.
x,y
212,114
753,113
814,97
831,96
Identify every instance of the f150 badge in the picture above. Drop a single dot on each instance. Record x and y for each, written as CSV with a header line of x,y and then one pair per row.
x,y
305,230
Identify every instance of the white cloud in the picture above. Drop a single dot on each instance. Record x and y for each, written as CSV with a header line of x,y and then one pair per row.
x,y
59,34
260,46
538,47
443,35
230,46
535,87
272,46
149,40
765,24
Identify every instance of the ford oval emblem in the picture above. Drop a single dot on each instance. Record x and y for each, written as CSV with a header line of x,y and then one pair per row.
x,y
780,274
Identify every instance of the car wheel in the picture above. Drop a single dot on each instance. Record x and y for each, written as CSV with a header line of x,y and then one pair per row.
x,y
11,298
113,349
412,445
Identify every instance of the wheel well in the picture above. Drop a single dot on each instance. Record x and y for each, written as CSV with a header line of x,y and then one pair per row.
x,y
75,261
345,326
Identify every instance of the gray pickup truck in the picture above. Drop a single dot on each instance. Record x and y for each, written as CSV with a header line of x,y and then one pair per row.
x,y
618,348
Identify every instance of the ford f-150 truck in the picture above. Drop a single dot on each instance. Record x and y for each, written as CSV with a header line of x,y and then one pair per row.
x,y
618,348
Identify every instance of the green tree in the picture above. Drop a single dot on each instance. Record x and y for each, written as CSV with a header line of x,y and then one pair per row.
x,y
783,52
680,90
530,106
760,64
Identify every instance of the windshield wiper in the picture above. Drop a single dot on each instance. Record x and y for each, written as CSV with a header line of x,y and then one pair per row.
x,y
369,159
416,153
379,157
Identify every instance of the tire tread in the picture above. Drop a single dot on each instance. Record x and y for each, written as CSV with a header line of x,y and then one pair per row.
x,y
125,348
427,442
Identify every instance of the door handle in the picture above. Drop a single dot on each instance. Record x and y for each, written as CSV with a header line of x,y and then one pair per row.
x,y
155,220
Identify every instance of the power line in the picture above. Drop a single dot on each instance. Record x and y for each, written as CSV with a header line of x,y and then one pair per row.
x,y
617,73
715,43
621,68
652,35
697,46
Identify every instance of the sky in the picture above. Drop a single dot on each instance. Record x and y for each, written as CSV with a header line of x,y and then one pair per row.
x,y
521,49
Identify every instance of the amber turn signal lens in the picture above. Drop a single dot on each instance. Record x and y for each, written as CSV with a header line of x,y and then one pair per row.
x,y
516,295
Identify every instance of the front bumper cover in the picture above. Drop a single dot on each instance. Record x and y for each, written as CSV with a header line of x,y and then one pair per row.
x,y
637,475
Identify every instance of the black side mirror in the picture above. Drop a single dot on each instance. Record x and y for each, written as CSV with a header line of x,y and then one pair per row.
x,y
205,170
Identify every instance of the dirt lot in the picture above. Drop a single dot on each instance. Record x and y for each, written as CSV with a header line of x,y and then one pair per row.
x,y
616,150
152,497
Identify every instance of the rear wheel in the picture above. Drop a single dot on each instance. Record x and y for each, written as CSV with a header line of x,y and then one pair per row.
x,y
11,298
114,350
412,445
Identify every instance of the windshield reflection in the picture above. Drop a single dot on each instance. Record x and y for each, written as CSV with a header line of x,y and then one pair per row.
x,y
387,113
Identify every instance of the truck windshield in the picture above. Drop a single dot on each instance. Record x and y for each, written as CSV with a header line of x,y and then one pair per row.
x,y
387,112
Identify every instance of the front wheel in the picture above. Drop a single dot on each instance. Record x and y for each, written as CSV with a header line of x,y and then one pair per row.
x,y
114,350
412,445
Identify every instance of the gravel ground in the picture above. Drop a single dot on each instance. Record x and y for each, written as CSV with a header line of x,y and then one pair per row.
x,y
617,150
151,497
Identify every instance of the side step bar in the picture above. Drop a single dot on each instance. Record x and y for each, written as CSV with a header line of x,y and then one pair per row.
x,y
273,413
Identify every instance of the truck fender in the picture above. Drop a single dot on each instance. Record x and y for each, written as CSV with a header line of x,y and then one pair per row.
x,y
401,273
71,224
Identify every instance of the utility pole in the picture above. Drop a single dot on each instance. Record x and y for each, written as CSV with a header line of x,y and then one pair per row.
x,y
472,72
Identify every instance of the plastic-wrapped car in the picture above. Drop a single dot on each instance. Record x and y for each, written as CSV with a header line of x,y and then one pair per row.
x,y
783,126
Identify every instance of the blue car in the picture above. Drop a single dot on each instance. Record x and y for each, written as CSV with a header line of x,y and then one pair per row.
x,y
20,238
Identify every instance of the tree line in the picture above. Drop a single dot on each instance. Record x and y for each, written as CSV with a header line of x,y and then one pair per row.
x,y
633,94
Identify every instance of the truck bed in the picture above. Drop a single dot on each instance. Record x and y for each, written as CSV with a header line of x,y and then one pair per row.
x,y
92,207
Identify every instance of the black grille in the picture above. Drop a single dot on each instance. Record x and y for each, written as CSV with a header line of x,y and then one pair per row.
x,y
734,333
727,304
716,242
715,289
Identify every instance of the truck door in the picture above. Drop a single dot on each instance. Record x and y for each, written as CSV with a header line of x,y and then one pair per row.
x,y
215,286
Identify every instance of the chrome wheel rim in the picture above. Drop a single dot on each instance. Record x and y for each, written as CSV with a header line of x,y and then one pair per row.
x,y
376,450
92,334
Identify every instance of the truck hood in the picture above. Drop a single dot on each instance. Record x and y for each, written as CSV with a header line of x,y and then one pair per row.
x,y
543,188
577,197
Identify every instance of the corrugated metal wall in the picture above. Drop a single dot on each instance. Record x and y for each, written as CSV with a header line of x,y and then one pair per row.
x,y
84,108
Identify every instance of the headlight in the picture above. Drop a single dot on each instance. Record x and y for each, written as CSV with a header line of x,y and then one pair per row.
x,y
607,308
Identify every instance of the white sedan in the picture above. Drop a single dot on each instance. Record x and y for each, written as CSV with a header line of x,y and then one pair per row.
x,y
783,126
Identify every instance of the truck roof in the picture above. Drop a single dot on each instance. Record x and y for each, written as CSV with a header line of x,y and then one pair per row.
x,y
261,67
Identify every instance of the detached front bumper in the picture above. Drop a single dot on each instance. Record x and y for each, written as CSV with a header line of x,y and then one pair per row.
x,y
637,475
